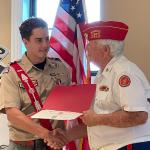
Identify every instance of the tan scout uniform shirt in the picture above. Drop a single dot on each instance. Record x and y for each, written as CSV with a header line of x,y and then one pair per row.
x,y
15,95
121,86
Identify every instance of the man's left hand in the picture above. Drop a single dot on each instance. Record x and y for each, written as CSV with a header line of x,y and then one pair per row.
x,y
89,118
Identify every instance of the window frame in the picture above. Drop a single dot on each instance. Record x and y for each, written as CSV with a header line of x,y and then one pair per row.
x,y
16,19
32,8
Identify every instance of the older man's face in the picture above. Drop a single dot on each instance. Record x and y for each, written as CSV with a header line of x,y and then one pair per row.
x,y
97,53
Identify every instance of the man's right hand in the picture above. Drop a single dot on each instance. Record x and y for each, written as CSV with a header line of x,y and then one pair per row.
x,y
56,139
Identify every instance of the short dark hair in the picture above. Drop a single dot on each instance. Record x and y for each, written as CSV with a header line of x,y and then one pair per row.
x,y
28,25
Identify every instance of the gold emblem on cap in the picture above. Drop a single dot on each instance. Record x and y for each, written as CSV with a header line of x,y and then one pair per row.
x,y
95,34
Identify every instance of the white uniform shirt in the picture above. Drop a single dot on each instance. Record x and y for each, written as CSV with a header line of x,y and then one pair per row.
x,y
121,86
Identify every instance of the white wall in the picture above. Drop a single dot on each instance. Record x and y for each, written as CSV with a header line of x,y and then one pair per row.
x,y
4,139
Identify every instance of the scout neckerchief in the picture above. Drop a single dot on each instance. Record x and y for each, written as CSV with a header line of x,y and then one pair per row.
x,y
32,92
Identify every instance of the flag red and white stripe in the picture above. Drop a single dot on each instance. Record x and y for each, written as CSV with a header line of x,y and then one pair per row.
x,y
66,40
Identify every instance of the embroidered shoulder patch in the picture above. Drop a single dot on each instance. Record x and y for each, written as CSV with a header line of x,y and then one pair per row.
x,y
124,81
6,70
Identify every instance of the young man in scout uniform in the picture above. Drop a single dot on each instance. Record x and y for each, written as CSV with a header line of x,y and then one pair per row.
x,y
119,118
25,86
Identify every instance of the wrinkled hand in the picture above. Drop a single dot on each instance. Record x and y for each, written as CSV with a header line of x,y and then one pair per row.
x,y
57,139
89,118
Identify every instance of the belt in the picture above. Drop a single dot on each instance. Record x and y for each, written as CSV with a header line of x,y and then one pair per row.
x,y
24,143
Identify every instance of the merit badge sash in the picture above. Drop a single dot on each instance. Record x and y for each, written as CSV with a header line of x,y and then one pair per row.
x,y
32,92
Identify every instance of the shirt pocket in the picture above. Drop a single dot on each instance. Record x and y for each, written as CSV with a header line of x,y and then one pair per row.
x,y
101,95
101,99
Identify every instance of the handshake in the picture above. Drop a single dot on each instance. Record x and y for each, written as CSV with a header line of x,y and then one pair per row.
x,y
57,138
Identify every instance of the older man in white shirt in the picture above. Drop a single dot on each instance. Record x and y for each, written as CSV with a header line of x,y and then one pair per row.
x,y
119,118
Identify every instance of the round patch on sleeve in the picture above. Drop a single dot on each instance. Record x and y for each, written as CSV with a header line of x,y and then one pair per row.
x,y
124,81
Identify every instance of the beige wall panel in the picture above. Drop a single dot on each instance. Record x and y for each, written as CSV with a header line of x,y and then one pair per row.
x,y
136,13
5,26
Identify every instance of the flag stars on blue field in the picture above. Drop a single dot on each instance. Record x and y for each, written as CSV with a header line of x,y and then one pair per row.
x,y
79,15
77,2
73,8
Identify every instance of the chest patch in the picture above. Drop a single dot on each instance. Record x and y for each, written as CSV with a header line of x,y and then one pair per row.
x,y
6,70
103,88
124,81
53,65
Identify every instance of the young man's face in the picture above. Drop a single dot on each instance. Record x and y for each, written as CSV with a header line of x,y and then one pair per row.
x,y
38,44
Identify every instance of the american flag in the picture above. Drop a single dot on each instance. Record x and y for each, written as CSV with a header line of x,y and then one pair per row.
x,y
66,43
66,40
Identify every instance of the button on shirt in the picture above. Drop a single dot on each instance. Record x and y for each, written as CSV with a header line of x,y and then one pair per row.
x,y
13,93
113,93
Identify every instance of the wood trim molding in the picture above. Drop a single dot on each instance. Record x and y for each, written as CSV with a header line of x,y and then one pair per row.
x,y
16,19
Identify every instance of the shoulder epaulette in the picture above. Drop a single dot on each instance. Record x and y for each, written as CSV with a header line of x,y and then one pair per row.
x,y
16,61
6,70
